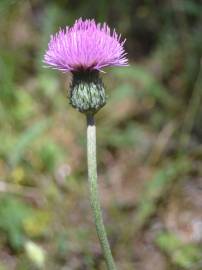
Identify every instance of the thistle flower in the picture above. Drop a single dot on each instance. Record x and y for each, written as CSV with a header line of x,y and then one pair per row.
x,y
85,46
84,49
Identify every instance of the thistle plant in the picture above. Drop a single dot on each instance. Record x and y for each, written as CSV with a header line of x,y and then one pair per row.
x,y
84,50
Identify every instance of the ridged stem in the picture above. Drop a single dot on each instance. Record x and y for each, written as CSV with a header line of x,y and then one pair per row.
x,y
94,194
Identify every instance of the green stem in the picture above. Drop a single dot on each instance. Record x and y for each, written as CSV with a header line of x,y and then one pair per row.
x,y
94,194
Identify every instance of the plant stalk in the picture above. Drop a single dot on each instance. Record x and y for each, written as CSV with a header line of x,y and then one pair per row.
x,y
94,194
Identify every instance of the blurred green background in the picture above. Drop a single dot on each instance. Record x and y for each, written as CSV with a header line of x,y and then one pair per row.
x,y
149,140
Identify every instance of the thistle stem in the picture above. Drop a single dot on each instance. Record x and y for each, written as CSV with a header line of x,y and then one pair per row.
x,y
94,194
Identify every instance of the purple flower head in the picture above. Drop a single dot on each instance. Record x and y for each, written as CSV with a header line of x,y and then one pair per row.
x,y
85,46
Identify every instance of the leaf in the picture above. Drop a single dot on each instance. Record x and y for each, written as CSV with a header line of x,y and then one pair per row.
x,y
12,213
157,188
25,141
146,84
185,256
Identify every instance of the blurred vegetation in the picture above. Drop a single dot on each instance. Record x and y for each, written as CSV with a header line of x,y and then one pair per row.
x,y
149,140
